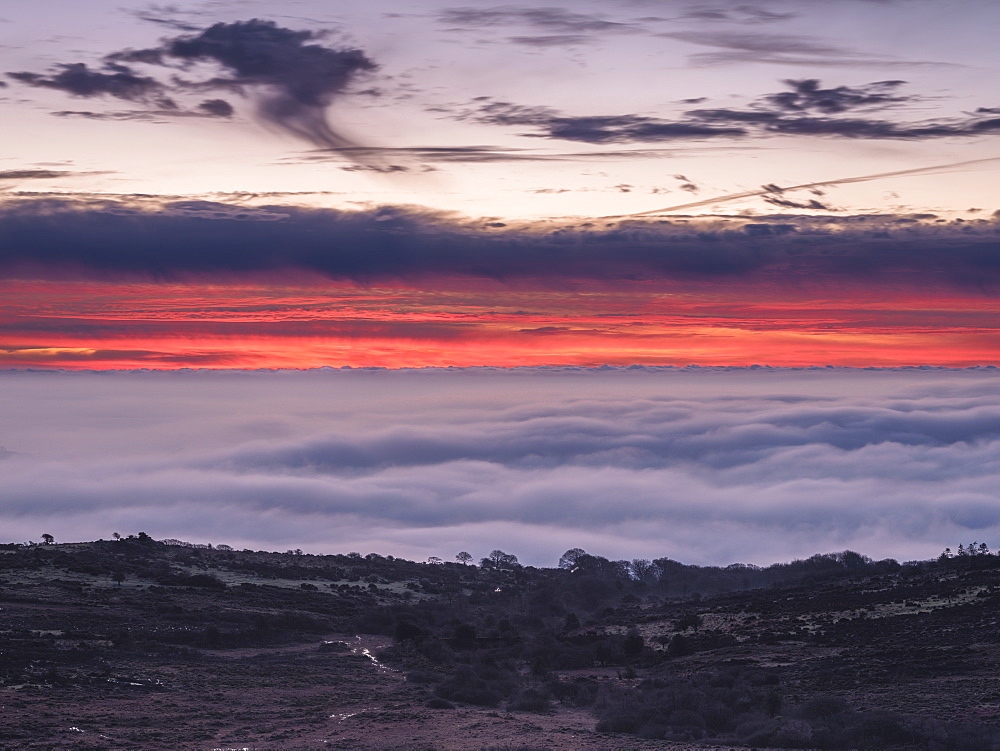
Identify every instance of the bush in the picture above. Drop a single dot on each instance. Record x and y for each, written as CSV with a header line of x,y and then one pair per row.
x,y
406,631
633,644
679,646
530,700
439,703
484,685
688,708
577,693
822,707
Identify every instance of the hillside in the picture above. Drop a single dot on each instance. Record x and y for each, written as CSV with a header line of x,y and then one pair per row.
x,y
135,643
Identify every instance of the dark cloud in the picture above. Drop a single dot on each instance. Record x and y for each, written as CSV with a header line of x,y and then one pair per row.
x,y
165,15
136,115
42,174
781,121
552,40
687,184
145,116
811,204
217,108
703,466
42,327
292,80
79,80
546,330
440,154
213,239
805,108
808,95
595,129
381,169
786,203
881,129
478,154
120,82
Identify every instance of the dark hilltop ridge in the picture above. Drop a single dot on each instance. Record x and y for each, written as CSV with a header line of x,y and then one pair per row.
x,y
135,643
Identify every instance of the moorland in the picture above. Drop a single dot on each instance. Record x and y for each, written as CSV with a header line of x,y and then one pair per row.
x,y
136,643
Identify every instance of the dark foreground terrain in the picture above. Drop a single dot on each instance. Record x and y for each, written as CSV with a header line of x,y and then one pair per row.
x,y
139,644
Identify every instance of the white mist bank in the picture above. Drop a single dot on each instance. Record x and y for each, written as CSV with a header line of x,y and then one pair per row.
x,y
700,465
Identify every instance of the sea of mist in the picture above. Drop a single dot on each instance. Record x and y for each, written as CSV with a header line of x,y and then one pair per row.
x,y
702,465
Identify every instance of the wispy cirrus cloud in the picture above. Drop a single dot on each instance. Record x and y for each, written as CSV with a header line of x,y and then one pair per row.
x,y
741,48
742,13
552,18
548,26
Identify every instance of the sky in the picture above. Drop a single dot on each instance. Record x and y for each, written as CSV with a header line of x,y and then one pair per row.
x,y
263,187
310,184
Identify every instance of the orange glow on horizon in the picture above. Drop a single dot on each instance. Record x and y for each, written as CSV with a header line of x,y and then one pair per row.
x,y
90,325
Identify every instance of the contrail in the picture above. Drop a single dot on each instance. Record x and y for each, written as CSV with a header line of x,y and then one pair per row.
x,y
773,189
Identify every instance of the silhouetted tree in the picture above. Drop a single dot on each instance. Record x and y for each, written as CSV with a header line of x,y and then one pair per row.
x,y
464,558
500,560
570,557
48,539
641,568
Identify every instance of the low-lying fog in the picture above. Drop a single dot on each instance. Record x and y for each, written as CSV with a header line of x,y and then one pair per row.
x,y
702,466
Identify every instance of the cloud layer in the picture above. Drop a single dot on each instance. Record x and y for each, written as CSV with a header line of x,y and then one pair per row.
x,y
176,238
703,467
